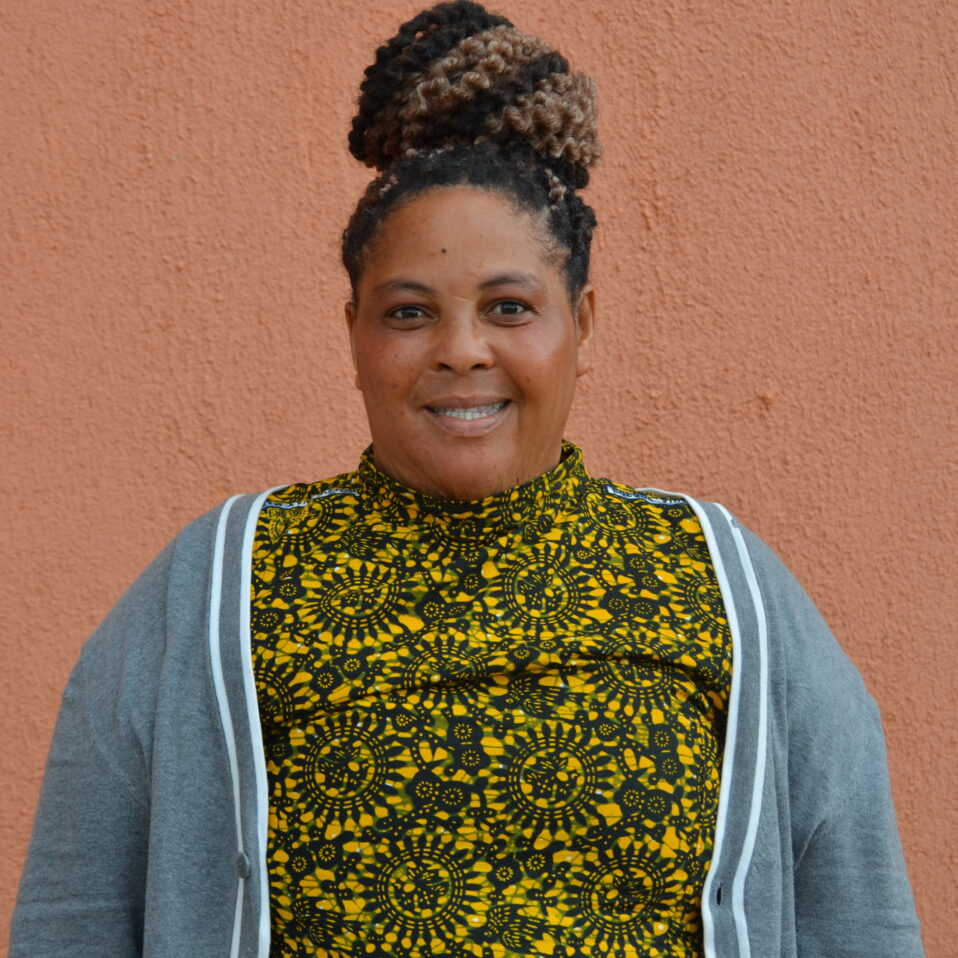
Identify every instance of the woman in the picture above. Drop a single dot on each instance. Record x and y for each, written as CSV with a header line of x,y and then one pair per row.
x,y
466,700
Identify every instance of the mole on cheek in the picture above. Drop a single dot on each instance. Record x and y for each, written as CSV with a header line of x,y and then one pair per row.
x,y
444,249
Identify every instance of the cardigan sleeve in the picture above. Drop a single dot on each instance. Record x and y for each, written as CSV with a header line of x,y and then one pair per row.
x,y
82,889
851,891
852,895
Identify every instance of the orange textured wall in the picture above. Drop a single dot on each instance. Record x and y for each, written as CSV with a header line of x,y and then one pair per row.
x,y
776,266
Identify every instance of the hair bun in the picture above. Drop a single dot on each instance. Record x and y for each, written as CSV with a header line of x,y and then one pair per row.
x,y
456,74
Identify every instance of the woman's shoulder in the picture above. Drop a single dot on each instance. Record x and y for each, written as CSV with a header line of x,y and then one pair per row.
x,y
215,534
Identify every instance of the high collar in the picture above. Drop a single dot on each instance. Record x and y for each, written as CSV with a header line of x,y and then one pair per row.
x,y
553,491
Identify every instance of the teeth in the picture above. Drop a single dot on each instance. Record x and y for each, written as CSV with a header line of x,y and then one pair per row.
x,y
473,412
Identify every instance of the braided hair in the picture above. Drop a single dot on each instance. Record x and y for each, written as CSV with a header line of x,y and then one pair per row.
x,y
459,97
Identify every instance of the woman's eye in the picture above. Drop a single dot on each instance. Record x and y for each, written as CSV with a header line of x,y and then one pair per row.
x,y
509,307
406,312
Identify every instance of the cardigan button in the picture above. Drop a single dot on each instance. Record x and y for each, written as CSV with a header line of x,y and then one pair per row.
x,y
242,865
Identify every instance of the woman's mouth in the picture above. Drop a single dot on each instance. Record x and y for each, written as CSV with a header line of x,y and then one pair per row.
x,y
469,412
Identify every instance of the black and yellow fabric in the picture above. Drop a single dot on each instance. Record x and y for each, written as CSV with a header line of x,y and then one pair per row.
x,y
492,728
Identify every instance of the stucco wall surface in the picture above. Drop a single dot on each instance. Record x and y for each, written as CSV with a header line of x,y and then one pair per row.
x,y
777,289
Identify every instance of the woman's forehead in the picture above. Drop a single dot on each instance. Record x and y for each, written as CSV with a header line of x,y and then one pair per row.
x,y
482,230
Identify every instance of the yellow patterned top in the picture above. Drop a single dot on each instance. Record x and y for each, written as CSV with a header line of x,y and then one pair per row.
x,y
493,727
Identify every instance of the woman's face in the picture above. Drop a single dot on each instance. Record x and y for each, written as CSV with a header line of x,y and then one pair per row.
x,y
465,345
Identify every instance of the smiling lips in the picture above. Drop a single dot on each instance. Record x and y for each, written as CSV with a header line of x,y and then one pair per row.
x,y
469,412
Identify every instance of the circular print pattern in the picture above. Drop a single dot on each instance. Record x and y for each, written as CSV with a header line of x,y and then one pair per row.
x,y
552,777
627,901
615,516
360,599
413,892
420,889
343,765
542,590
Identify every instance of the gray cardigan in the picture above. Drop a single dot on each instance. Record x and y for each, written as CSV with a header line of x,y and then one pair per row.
x,y
150,834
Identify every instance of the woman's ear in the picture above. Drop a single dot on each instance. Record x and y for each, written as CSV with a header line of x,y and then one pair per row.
x,y
585,328
349,310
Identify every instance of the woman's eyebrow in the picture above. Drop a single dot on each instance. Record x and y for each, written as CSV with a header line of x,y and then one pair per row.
x,y
511,279
404,285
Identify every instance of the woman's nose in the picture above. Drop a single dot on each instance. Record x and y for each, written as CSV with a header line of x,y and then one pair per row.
x,y
461,343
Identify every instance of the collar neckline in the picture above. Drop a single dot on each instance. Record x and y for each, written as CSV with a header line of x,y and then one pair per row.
x,y
552,491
